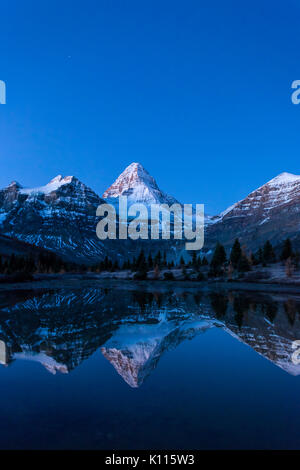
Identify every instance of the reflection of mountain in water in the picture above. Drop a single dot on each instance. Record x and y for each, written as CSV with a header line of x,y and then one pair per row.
x,y
268,326
135,350
60,329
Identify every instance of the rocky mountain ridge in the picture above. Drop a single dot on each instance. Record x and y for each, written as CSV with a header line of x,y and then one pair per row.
x,y
61,216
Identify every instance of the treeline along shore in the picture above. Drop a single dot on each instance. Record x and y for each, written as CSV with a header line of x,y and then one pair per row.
x,y
239,264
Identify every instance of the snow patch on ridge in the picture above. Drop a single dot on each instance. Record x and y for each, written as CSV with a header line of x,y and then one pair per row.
x,y
284,178
53,185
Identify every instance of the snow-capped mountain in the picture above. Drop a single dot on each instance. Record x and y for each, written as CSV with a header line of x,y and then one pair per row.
x,y
139,186
60,216
271,212
282,190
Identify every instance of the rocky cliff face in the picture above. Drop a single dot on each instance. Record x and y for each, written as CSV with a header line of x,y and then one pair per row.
x,y
9,198
60,216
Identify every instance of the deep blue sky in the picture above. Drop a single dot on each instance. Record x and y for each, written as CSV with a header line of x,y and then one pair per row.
x,y
198,92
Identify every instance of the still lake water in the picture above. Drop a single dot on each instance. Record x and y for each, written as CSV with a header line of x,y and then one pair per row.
x,y
148,368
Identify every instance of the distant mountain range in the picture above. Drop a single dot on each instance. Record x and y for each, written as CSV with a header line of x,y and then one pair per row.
x,y
61,216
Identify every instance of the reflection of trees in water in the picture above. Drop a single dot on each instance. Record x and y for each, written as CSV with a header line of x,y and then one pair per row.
x,y
219,303
143,299
197,298
290,309
241,305
158,298
253,307
270,310
244,305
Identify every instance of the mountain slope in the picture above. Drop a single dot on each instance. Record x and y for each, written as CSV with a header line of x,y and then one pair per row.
x,y
10,245
271,212
60,216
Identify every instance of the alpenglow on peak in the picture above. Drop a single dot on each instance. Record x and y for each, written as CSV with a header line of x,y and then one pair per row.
x,y
139,186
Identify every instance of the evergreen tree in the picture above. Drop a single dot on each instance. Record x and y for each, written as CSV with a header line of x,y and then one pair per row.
x,y
194,259
105,264
141,261
204,261
253,260
150,261
243,264
259,256
5,266
268,253
287,251
157,259
142,267
30,264
12,263
236,253
218,259
133,264
116,266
